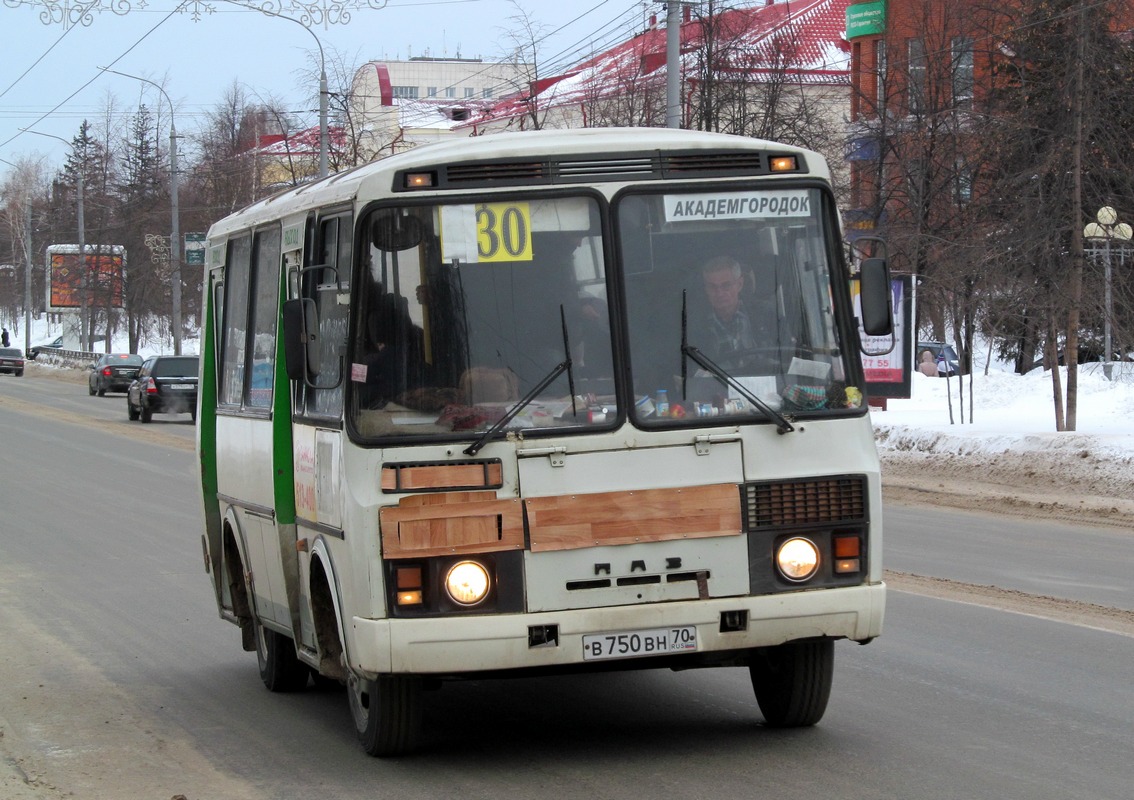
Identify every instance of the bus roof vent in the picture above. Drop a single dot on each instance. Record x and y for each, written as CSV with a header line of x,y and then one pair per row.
x,y
814,501
486,173
714,163
606,168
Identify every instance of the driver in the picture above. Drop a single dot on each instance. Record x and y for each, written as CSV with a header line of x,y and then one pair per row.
x,y
729,330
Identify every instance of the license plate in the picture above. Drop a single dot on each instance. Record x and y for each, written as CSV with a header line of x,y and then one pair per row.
x,y
630,644
180,386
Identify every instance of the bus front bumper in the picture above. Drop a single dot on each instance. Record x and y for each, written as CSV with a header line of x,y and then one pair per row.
x,y
469,644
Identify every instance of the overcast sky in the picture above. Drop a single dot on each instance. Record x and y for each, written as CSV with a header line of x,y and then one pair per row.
x,y
50,81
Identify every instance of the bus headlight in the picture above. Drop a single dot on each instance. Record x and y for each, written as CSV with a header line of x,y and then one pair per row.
x,y
798,559
467,583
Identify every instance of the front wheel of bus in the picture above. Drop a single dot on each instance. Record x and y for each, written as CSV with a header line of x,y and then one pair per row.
x,y
280,669
793,682
386,712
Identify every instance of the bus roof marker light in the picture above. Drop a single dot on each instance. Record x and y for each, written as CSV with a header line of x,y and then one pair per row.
x,y
419,180
783,164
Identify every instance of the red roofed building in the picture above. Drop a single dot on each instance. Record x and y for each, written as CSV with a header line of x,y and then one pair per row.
x,y
289,159
774,70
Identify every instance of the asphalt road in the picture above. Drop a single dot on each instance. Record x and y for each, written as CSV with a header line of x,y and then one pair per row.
x,y
120,681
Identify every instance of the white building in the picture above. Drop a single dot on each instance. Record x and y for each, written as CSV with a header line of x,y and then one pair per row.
x,y
401,104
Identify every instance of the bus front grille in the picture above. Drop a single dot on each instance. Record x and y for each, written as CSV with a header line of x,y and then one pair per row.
x,y
811,501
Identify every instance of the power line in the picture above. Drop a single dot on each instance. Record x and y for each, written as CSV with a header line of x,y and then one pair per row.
x,y
97,75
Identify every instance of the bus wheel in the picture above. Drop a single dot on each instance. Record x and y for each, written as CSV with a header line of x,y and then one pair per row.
x,y
793,682
280,669
386,712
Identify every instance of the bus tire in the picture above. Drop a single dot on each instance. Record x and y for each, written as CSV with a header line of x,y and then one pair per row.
x,y
792,682
386,712
280,669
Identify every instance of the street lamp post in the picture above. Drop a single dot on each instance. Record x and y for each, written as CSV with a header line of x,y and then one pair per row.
x,y
1108,227
175,236
27,271
675,12
84,344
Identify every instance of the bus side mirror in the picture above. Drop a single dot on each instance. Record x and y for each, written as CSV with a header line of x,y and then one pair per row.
x,y
300,328
875,297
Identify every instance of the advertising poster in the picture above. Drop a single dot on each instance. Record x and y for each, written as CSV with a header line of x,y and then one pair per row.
x,y
104,275
888,360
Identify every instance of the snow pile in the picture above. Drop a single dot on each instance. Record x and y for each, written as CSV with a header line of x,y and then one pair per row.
x,y
1012,446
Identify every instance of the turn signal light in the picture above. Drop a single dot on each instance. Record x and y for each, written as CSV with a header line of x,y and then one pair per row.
x,y
409,585
848,554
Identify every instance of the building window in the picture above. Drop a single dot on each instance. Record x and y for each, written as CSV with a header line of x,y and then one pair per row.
x,y
469,91
432,91
880,76
405,92
916,183
450,91
486,92
963,72
917,77
962,182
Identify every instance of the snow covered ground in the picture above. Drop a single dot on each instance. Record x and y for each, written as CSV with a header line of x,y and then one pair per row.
x,y
1009,455
1010,411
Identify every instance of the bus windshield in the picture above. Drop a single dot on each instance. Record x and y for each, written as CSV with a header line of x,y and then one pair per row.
x,y
466,308
729,294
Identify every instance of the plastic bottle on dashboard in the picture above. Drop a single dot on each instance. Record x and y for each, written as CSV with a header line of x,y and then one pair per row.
x,y
662,403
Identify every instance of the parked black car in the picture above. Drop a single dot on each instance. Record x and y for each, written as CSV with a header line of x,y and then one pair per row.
x,y
164,385
113,372
11,361
55,344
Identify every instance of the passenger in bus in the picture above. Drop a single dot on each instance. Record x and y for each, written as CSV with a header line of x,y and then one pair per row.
x,y
391,351
590,340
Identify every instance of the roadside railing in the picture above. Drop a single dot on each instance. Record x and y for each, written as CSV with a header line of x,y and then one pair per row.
x,y
63,358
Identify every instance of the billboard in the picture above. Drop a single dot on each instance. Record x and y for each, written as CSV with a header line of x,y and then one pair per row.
x,y
103,275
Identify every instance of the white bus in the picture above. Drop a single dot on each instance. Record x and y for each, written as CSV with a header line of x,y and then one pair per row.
x,y
543,402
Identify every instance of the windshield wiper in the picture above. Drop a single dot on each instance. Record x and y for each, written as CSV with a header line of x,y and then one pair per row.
x,y
523,402
688,350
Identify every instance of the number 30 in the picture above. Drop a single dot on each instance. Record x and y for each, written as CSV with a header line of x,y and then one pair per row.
x,y
503,232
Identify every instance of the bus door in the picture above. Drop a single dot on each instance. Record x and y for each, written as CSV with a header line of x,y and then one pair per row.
x,y
248,412
322,282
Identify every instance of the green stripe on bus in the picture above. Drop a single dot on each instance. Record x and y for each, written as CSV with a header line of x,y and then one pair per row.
x,y
282,460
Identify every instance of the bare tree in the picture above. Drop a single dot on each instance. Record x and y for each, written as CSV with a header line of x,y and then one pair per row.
x,y
1064,79
228,175
526,37
24,190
